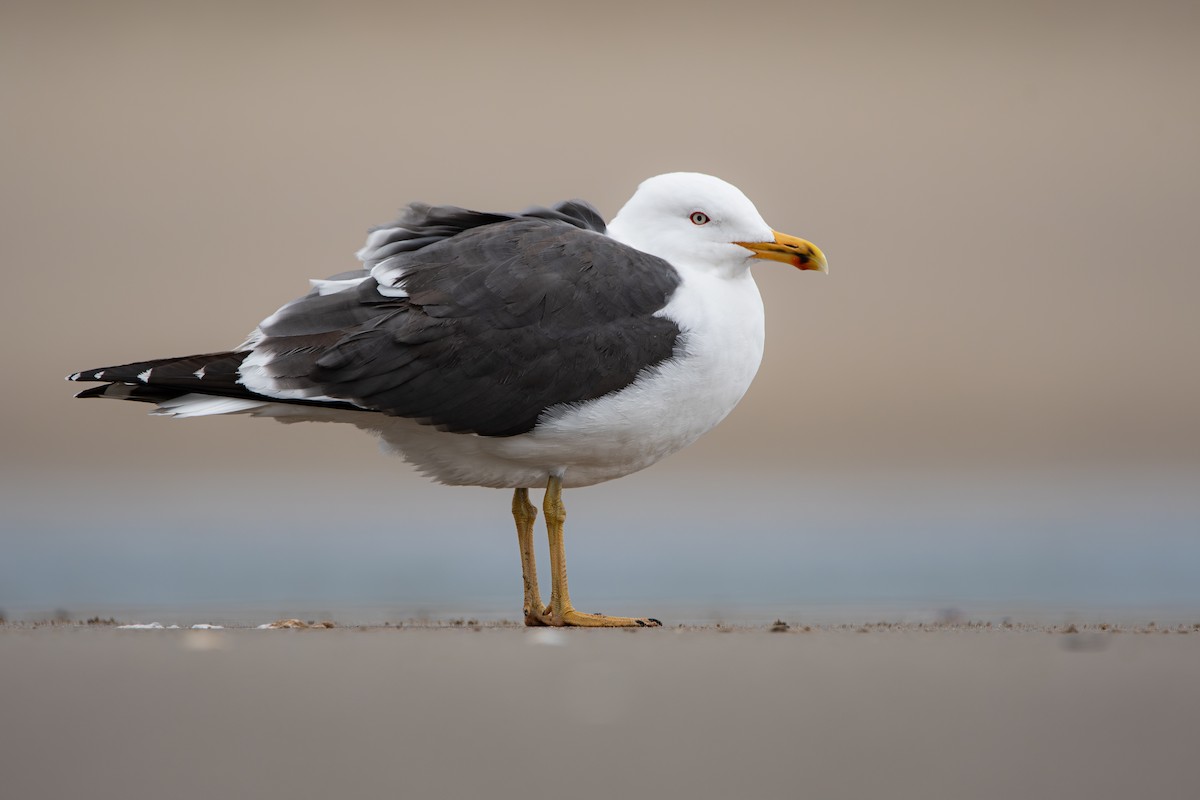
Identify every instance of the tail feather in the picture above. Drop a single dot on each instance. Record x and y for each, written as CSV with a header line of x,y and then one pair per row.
x,y
185,385
164,378
127,391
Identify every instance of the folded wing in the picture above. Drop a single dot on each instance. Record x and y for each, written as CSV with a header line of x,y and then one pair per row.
x,y
470,321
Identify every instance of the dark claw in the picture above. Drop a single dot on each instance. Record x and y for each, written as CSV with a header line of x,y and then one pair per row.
x,y
657,622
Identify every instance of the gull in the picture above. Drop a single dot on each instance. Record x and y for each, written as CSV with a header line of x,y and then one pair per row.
x,y
513,350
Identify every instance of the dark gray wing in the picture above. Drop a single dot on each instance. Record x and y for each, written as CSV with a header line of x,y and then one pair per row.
x,y
420,225
477,322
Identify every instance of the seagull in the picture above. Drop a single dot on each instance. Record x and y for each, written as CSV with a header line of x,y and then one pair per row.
x,y
513,350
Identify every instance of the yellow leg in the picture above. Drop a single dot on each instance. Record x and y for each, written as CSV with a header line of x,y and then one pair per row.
x,y
560,610
525,515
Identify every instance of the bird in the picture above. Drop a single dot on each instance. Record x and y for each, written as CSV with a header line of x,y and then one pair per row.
x,y
543,348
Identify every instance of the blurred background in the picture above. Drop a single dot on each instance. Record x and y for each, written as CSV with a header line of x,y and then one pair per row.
x,y
988,407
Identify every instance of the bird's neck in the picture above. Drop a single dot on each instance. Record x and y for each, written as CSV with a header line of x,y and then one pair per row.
x,y
730,264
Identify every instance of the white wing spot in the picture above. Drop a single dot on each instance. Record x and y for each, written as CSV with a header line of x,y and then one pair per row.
x,y
392,291
389,274
374,239
74,377
200,373
99,375
324,287
144,377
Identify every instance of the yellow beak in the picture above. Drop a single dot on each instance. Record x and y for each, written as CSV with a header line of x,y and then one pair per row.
x,y
790,250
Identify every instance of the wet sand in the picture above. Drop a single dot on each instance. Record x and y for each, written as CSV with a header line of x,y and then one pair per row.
x,y
498,712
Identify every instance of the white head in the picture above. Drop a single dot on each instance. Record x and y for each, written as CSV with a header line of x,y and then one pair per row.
x,y
699,221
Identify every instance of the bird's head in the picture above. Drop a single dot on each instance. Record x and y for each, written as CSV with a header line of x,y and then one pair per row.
x,y
698,221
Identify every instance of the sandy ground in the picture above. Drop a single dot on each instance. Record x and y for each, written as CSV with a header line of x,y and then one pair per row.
x,y
498,712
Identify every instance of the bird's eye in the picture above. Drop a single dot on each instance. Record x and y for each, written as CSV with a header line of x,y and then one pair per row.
x,y
699,217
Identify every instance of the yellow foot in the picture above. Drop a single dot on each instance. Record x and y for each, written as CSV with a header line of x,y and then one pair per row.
x,y
577,619
537,619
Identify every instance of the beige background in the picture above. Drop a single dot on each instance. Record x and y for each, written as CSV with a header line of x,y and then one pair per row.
x,y
1007,193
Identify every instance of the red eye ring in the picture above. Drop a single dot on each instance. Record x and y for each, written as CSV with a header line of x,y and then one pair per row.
x,y
698,218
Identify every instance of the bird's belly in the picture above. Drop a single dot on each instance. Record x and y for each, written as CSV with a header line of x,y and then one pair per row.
x,y
664,411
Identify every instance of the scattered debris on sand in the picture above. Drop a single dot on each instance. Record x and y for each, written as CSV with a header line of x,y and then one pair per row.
x,y
1082,634
294,624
